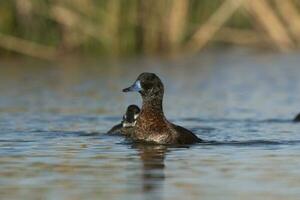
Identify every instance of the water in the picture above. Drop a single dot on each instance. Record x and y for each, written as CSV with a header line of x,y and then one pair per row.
x,y
54,118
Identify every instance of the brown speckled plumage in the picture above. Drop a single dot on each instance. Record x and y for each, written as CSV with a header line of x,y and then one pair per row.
x,y
151,125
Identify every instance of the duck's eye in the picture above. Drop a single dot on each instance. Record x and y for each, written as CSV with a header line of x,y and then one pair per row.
x,y
147,86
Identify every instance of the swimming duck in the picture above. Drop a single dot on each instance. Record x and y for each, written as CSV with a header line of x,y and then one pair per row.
x,y
297,118
151,125
128,121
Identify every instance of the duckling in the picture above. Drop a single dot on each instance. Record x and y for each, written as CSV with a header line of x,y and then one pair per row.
x,y
128,122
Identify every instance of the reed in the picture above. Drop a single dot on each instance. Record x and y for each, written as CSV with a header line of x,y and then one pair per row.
x,y
49,29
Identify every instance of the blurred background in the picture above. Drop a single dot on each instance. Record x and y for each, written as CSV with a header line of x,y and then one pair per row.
x,y
231,75
53,29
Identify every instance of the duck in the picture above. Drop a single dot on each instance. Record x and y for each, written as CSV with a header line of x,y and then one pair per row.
x,y
297,118
151,124
128,122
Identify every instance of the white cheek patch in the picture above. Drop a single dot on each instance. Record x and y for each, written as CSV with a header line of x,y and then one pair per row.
x,y
135,116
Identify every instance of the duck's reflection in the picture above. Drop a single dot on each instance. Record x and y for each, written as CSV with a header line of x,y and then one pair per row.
x,y
152,157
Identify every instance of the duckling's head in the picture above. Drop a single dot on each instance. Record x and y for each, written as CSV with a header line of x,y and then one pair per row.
x,y
148,85
129,119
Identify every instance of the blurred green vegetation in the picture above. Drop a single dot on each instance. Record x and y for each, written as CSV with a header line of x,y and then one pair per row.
x,y
128,27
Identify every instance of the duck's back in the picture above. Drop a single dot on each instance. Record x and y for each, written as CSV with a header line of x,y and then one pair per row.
x,y
185,136
168,134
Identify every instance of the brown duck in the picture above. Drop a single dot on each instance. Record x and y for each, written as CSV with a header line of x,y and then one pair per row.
x,y
151,125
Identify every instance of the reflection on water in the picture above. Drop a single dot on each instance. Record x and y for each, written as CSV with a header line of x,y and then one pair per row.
x,y
152,157
53,120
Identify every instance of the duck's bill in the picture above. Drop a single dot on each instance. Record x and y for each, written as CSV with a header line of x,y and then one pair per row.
x,y
136,87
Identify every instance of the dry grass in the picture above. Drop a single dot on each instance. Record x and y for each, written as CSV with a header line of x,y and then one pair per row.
x,y
46,29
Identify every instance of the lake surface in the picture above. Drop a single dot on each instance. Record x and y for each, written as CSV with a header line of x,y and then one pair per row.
x,y
54,116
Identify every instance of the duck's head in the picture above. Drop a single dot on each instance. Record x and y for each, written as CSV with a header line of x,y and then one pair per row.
x,y
148,85
129,119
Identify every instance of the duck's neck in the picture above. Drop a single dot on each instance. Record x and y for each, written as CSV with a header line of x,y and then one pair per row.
x,y
153,106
